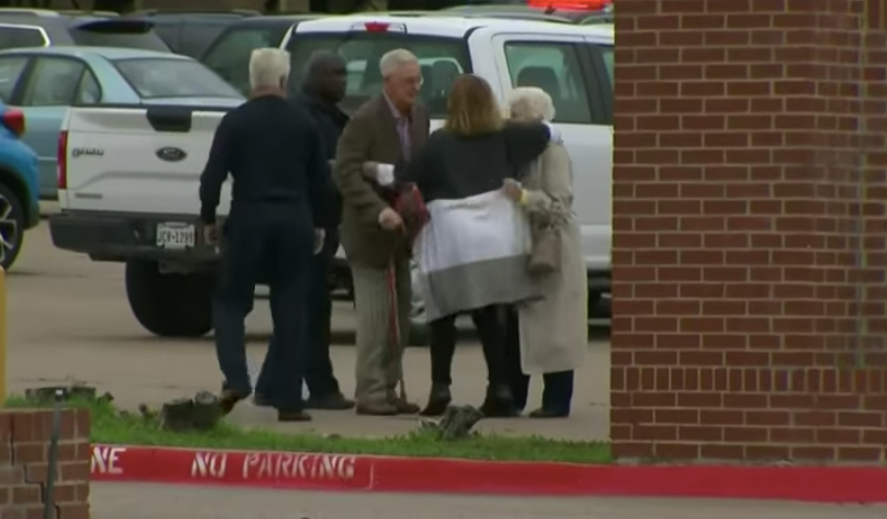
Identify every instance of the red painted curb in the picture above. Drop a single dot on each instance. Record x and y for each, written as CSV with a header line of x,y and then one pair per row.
x,y
305,471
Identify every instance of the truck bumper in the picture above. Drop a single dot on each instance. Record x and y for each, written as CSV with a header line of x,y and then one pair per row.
x,y
123,236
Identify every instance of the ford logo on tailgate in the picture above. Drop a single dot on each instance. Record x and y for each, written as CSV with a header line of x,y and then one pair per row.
x,y
171,154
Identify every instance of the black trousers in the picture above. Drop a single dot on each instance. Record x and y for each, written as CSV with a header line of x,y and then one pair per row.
x,y
558,387
270,242
319,368
491,331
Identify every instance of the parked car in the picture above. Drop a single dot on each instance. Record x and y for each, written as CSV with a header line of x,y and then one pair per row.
x,y
190,32
519,11
131,205
43,28
19,204
229,55
44,82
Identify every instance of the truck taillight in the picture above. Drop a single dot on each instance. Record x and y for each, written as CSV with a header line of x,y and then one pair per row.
x,y
14,120
62,160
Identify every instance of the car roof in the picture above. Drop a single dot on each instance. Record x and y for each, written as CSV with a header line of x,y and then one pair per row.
x,y
230,13
105,52
455,26
516,11
283,20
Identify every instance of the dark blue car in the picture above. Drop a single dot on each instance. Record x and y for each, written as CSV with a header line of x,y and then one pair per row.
x,y
19,173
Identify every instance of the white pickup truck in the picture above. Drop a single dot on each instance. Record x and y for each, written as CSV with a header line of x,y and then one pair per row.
x,y
129,174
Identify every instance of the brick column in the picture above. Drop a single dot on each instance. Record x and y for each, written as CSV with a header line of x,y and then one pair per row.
x,y
749,230
24,446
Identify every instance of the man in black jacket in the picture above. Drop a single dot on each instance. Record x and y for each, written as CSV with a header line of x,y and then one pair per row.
x,y
281,201
323,89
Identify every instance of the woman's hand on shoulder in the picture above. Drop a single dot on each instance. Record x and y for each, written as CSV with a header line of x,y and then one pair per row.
x,y
513,189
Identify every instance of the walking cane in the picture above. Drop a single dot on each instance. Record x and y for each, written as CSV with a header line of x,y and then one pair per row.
x,y
394,320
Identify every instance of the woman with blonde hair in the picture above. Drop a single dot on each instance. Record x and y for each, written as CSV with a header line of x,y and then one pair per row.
x,y
548,335
468,252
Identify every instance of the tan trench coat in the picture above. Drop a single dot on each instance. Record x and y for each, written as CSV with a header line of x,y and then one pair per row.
x,y
554,329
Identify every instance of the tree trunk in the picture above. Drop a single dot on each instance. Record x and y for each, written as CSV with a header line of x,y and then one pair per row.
x,y
206,412
176,415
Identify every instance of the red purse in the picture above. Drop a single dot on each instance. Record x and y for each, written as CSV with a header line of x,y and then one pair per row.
x,y
410,205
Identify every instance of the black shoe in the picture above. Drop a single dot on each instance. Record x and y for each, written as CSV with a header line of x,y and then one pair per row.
x,y
542,412
438,400
499,403
293,416
331,402
229,399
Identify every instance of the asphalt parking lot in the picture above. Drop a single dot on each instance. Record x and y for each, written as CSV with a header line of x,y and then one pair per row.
x,y
69,321
112,501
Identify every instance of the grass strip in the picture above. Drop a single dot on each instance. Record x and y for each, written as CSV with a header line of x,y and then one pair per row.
x,y
110,426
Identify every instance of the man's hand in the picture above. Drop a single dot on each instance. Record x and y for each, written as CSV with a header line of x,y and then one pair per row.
x,y
512,189
319,238
390,220
210,234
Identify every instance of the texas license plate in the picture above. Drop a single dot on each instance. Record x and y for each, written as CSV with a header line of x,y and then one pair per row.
x,y
175,235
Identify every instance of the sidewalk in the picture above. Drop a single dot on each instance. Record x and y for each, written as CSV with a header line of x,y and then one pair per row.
x,y
132,501
73,311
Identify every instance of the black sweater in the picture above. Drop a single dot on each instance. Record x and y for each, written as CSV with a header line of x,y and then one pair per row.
x,y
273,151
451,166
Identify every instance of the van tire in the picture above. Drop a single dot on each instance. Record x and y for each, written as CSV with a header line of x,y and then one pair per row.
x,y
13,227
169,305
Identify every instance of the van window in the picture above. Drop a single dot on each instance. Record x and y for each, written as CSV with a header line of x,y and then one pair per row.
x,y
53,82
12,37
607,55
229,55
11,68
441,59
555,68
198,35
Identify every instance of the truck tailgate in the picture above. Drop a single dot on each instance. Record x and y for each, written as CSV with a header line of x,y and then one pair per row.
x,y
138,159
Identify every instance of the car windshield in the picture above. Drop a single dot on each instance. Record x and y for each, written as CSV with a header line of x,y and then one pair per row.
x,y
229,55
442,60
154,78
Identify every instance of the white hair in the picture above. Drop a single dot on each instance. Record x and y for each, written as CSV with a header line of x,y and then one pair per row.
x,y
267,67
394,59
530,104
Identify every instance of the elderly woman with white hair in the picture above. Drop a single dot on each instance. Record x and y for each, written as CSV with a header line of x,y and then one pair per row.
x,y
548,335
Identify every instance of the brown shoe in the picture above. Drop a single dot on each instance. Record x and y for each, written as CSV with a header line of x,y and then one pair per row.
x,y
293,416
404,407
229,399
377,409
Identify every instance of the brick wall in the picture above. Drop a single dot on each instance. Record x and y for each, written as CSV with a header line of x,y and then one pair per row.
x,y
749,230
24,445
